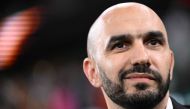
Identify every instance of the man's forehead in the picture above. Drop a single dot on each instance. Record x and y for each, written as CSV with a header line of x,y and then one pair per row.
x,y
125,18
132,19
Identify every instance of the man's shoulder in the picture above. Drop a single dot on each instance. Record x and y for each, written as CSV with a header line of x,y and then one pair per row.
x,y
187,106
177,105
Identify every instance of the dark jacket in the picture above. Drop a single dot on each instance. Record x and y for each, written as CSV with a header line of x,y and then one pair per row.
x,y
176,105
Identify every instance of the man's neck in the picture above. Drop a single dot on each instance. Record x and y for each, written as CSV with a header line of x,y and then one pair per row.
x,y
163,103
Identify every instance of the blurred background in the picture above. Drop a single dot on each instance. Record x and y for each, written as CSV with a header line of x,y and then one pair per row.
x,y
43,44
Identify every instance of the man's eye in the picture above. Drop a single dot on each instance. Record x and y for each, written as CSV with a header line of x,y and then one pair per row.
x,y
154,42
120,45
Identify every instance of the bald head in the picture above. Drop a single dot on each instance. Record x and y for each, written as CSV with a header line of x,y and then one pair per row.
x,y
117,20
126,36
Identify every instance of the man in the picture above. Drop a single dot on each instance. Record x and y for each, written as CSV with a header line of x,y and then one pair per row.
x,y
129,58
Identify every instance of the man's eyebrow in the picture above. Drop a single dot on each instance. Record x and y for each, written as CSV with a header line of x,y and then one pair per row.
x,y
154,34
118,38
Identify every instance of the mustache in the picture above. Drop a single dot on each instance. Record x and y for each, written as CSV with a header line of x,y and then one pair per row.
x,y
141,68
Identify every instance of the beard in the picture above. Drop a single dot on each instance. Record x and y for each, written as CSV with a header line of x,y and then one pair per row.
x,y
143,98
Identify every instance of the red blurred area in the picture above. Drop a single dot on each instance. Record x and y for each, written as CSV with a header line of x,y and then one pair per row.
x,y
14,31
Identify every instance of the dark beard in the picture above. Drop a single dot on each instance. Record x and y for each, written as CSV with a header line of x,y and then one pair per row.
x,y
143,99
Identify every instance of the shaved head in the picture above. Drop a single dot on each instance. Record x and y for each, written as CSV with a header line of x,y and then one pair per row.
x,y
124,11
129,57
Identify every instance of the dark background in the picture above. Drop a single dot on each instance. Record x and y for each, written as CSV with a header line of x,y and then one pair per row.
x,y
51,57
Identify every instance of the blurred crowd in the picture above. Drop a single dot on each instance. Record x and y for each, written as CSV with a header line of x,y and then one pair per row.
x,y
43,43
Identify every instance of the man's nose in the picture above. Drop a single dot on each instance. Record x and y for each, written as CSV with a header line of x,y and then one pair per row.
x,y
140,55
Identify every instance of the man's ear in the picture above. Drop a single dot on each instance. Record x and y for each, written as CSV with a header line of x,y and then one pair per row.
x,y
91,72
172,61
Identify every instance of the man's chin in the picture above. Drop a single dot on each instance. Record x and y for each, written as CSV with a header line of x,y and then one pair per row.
x,y
140,88
143,94
144,98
